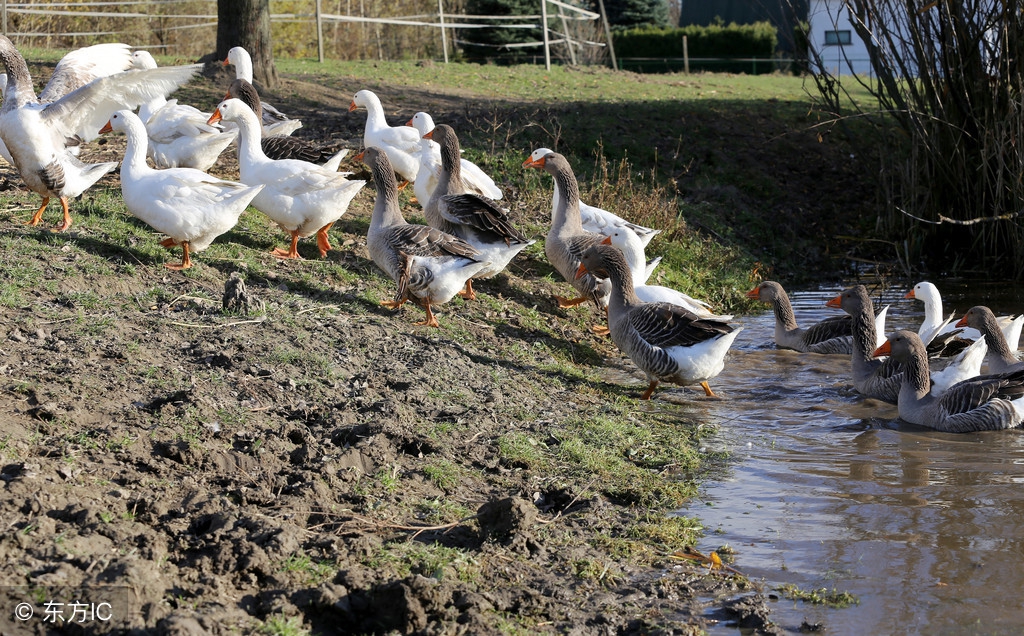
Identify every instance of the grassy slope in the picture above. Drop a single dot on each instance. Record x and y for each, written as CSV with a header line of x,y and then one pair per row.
x,y
735,168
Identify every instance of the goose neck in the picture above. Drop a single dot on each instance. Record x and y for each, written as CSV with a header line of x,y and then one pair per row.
x,y
566,210
623,292
917,374
385,208
864,334
783,310
250,149
451,166
19,89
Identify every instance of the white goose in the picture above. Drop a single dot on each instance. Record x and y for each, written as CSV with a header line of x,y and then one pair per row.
x,y
273,121
475,179
76,69
38,135
429,265
667,343
179,136
301,197
934,324
81,66
985,403
401,143
632,249
283,146
601,221
189,206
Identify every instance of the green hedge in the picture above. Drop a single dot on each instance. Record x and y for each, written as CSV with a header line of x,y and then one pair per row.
x,y
732,40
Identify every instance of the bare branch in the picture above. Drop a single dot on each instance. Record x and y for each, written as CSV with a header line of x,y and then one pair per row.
x,y
974,221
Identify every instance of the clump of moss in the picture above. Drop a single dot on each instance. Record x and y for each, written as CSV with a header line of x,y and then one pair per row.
x,y
821,596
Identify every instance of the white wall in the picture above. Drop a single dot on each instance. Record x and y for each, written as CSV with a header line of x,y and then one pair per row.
x,y
838,59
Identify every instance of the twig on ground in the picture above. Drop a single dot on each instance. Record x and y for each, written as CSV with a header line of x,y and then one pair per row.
x,y
230,324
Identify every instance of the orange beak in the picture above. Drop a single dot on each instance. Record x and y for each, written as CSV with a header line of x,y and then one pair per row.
x,y
106,128
755,293
409,123
910,294
215,117
530,163
581,271
227,95
352,106
226,62
835,302
962,322
360,156
607,241
429,135
884,350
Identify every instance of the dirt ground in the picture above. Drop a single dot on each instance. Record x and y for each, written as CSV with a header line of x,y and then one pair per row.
x,y
205,472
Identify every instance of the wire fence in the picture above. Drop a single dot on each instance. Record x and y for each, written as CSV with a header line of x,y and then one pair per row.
x,y
345,29
745,65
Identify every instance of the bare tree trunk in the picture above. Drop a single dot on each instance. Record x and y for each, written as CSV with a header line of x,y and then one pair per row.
x,y
246,23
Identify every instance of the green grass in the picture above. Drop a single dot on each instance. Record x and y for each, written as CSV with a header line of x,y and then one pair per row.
x,y
431,560
821,596
309,571
280,625
562,83
443,473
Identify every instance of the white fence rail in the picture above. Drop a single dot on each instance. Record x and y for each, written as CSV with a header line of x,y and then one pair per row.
x,y
444,22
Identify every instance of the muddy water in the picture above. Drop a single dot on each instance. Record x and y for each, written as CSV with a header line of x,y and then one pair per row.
x,y
826,489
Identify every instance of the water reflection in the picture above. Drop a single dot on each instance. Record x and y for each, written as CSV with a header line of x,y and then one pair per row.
x,y
827,489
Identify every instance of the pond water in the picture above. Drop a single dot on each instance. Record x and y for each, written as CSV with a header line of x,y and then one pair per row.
x,y
824,488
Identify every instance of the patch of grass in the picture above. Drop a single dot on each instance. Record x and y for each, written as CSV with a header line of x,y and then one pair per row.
x,y
443,473
598,571
388,478
432,560
280,625
312,572
626,458
520,449
441,511
667,533
820,596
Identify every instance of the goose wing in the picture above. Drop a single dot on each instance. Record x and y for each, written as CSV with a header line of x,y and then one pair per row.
x,y
423,240
973,393
79,67
86,109
829,329
665,325
480,213
285,147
